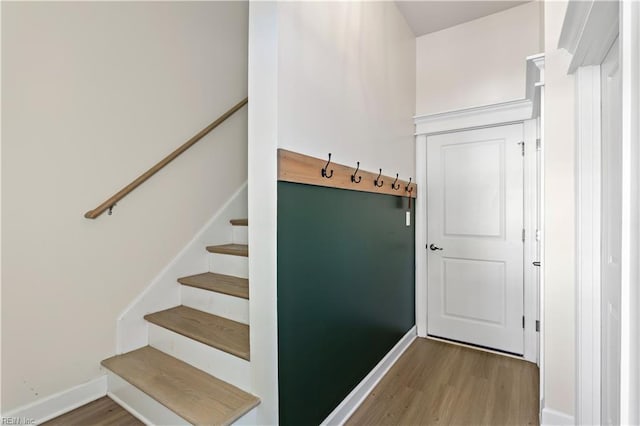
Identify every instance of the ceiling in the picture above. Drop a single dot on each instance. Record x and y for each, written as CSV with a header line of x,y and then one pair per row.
x,y
427,16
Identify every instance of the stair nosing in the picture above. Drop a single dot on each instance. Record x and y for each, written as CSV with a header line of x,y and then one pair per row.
x,y
235,414
230,249
199,338
185,281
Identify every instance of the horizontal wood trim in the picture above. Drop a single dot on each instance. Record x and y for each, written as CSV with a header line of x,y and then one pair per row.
x,y
111,201
300,168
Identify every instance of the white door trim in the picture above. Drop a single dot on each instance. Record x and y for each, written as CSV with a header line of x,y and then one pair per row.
x,y
532,235
589,29
524,111
421,236
630,294
531,310
476,117
588,204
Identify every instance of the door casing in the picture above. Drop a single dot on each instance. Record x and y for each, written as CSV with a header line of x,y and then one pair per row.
x,y
490,116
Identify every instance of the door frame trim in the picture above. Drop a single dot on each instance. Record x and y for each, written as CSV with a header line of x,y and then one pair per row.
x,y
588,245
530,188
588,31
527,112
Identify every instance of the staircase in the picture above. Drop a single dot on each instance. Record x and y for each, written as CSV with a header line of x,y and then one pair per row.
x,y
196,368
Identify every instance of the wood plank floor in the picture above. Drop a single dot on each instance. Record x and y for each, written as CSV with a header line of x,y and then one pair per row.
x,y
436,383
102,412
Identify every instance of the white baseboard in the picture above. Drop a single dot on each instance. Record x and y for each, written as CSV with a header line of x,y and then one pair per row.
x,y
349,405
554,417
62,402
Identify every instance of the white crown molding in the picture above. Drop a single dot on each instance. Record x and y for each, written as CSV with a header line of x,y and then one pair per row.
x,y
487,115
589,29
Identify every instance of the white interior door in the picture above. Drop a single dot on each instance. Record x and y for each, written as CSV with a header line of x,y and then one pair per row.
x,y
611,228
475,277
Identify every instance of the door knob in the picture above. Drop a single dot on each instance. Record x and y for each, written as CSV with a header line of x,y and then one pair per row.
x,y
434,247
536,263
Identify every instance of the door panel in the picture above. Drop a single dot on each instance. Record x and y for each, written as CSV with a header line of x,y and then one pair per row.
x,y
611,223
474,290
479,189
475,215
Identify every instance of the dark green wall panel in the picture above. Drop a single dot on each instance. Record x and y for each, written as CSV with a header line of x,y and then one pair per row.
x,y
345,292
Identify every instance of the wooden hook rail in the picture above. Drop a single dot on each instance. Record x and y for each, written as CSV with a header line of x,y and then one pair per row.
x,y
300,168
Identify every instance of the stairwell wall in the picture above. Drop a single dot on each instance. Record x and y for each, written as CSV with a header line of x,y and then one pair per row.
x,y
92,95
480,62
324,77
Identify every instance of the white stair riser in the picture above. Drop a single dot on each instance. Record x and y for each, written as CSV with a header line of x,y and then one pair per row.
x,y
249,419
227,264
240,234
140,404
223,305
220,364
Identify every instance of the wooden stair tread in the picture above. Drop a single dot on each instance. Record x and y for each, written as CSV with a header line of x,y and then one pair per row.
x,y
198,397
232,249
218,332
226,284
239,222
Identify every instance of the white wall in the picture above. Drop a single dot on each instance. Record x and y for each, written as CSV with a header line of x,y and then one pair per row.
x,y
92,95
323,77
559,263
347,84
479,62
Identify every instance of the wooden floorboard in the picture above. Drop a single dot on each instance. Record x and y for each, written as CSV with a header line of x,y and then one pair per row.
x,y
101,412
436,383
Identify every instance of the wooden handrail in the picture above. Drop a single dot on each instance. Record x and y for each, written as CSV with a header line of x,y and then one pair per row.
x,y
92,214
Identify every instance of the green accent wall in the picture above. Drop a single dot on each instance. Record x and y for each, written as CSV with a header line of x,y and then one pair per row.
x,y
345,292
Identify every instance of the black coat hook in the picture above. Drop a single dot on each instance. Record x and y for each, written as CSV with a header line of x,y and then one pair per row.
x,y
409,188
324,170
395,185
353,176
378,182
